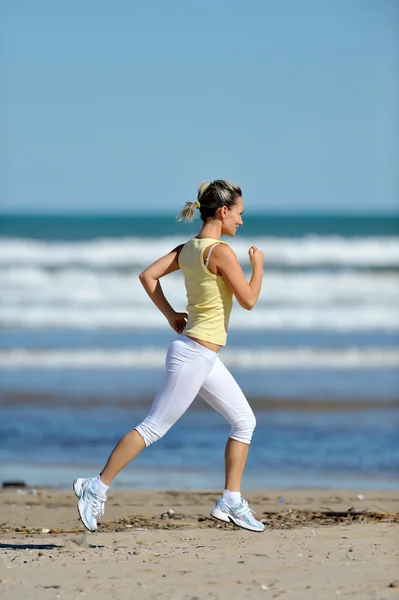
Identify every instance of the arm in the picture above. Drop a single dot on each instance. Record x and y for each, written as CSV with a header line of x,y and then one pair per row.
x,y
150,280
247,293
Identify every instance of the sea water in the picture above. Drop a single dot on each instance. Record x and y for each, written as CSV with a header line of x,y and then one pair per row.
x,y
82,350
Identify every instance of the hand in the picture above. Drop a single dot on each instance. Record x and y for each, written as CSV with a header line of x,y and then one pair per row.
x,y
256,256
178,321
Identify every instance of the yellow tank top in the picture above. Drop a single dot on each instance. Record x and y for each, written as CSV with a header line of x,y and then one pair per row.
x,y
210,299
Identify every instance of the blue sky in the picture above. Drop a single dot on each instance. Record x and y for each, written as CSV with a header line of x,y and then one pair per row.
x,y
127,106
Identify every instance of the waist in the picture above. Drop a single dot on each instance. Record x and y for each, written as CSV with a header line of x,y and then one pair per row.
x,y
209,345
214,348
210,327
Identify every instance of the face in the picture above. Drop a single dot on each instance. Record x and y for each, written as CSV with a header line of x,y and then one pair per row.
x,y
232,217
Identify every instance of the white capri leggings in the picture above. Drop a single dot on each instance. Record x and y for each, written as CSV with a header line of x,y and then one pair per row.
x,y
192,369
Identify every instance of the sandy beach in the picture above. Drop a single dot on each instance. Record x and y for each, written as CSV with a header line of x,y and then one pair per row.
x,y
317,544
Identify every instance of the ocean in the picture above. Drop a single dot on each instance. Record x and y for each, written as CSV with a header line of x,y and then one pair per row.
x,y
82,351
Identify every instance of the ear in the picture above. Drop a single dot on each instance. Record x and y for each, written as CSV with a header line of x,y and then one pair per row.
x,y
223,211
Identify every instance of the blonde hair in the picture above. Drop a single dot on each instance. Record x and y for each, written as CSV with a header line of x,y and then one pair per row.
x,y
211,196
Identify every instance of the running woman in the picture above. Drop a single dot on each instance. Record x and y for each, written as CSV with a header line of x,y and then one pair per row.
x,y
212,276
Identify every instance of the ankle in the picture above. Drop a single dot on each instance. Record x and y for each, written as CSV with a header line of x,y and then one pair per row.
x,y
231,498
99,485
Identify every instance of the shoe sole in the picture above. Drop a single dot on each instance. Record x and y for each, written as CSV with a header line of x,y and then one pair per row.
x,y
79,513
221,516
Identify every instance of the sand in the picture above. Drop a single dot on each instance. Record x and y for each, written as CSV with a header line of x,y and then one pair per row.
x,y
317,545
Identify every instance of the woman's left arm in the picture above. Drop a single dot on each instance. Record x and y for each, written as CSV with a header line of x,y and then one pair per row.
x,y
150,281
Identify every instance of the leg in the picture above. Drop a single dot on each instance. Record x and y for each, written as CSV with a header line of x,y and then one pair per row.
x,y
221,391
124,452
235,457
187,365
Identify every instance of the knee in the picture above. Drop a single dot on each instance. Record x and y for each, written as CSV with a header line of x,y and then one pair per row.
x,y
243,429
150,431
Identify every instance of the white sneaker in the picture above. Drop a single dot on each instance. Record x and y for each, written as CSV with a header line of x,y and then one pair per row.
x,y
241,515
91,502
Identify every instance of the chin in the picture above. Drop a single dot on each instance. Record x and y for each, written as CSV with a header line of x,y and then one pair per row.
x,y
230,232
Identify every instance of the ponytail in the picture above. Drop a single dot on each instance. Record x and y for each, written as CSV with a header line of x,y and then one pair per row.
x,y
211,196
188,212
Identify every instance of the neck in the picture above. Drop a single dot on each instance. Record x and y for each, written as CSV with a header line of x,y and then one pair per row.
x,y
211,229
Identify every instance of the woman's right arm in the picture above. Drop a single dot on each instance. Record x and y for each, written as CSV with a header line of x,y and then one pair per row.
x,y
247,293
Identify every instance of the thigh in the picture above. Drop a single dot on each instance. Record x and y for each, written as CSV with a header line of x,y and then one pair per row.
x,y
186,369
221,391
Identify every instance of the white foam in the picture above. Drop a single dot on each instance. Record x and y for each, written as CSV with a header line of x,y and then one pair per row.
x,y
79,285
362,318
151,358
95,284
74,297
118,253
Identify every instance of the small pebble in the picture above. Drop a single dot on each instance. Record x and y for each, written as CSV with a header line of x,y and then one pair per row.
x,y
45,530
394,584
360,497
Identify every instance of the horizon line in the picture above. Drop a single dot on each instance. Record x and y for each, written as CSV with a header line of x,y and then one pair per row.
x,y
249,213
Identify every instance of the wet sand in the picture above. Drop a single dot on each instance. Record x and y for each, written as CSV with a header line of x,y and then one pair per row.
x,y
317,545
83,402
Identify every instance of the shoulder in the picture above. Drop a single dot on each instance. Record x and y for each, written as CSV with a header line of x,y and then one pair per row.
x,y
223,251
178,249
181,252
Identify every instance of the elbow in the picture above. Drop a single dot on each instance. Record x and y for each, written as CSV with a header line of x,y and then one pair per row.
x,y
144,278
248,303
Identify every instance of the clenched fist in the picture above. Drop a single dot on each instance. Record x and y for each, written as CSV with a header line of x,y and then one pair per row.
x,y
256,256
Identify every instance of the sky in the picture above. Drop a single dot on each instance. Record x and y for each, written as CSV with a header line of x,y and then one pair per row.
x,y
126,106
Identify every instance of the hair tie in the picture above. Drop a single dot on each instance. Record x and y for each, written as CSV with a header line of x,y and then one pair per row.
x,y
198,205
211,182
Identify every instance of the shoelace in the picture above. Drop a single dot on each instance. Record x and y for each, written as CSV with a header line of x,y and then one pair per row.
x,y
246,507
97,506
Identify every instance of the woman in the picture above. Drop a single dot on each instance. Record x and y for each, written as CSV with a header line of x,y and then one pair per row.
x,y
212,276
